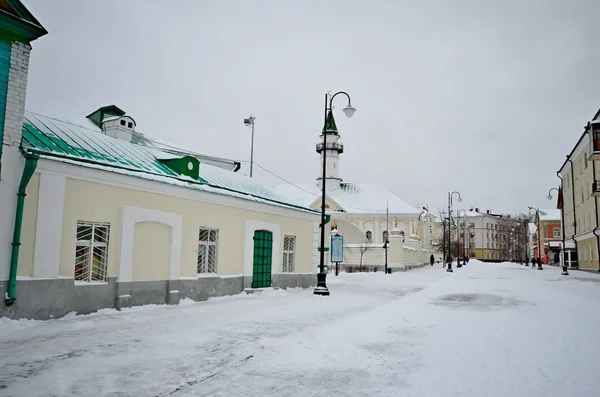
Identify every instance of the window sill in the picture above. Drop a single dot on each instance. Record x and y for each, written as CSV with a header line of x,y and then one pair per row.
x,y
207,275
85,283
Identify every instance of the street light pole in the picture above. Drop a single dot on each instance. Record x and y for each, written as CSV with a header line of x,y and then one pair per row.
x,y
321,288
449,228
539,233
565,271
387,235
250,122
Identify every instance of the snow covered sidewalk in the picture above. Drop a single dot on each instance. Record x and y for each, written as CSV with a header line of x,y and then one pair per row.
x,y
485,330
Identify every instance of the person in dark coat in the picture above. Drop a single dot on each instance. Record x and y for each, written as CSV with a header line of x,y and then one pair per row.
x,y
431,259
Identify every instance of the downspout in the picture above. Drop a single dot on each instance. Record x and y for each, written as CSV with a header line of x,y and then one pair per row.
x,y
596,229
238,165
562,220
30,165
574,213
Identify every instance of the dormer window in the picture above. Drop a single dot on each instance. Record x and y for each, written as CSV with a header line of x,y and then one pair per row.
x,y
130,124
123,123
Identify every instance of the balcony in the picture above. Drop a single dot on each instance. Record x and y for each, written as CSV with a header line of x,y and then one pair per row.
x,y
595,141
339,147
596,189
595,152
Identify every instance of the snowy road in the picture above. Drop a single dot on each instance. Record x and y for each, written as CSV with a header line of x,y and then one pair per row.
x,y
491,330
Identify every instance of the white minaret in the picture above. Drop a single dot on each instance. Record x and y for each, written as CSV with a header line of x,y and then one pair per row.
x,y
332,150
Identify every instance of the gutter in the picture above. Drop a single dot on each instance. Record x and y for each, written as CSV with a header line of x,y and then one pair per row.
x,y
574,213
562,220
596,213
30,165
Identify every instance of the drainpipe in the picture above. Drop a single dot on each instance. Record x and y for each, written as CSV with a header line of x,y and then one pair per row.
x,y
596,229
30,165
238,165
565,271
574,213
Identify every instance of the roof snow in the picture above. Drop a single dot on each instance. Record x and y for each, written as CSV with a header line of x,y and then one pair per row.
x,y
550,215
80,142
354,198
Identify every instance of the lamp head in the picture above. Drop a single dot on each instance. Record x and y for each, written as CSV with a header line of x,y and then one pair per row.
x,y
349,110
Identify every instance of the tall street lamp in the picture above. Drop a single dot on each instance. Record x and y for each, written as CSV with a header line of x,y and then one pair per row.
x,y
565,272
458,236
321,288
539,233
250,122
450,195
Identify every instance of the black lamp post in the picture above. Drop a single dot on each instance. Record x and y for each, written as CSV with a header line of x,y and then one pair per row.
x,y
450,195
539,233
458,264
565,272
321,288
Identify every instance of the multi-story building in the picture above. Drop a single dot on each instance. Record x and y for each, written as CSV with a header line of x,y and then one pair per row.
x,y
579,205
550,235
493,237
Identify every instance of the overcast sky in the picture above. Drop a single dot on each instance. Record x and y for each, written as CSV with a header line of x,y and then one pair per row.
x,y
483,97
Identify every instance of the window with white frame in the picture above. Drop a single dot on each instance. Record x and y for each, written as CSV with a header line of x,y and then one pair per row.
x,y
208,241
556,232
289,251
91,251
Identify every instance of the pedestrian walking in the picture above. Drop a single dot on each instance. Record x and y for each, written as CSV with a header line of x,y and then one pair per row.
x,y
431,259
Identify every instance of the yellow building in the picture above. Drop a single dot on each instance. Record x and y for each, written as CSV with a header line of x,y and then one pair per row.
x,y
112,219
579,174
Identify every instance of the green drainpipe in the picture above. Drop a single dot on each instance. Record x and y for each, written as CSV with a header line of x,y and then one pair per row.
x,y
238,165
30,165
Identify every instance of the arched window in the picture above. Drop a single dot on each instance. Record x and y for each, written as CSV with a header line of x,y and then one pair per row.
x,y
369,235
385,235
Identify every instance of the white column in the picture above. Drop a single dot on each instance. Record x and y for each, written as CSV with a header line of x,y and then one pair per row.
x,y
48,228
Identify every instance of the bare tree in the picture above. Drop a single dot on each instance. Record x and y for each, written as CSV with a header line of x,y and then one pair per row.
x,y
365,245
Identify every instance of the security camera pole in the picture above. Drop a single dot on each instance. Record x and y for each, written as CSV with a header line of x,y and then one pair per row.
x,y
250,122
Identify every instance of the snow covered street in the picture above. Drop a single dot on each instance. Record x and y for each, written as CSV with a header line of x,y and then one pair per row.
x,y
493,330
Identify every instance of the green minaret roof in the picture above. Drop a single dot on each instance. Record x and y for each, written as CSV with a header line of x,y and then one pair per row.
x,y
330,124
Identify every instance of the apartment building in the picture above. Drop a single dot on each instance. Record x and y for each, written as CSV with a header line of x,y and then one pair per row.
x,y
551,235
493,237
580,191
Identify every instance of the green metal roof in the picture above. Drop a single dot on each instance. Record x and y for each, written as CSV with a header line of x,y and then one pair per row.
x,y
330,124
87,145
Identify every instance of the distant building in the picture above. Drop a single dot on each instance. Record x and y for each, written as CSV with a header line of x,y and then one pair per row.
x,y
551,236
493,237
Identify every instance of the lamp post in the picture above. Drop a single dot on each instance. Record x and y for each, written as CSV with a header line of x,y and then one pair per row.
x,y
458,237
249,122
321,288
539,233
565,272
450,195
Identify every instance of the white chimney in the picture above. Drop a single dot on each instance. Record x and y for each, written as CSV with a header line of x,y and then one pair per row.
x,y
120,127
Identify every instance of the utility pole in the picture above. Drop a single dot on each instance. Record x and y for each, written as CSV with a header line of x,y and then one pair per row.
x,y
387,235
250,122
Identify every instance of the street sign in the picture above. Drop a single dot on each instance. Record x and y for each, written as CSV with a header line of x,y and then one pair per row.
x,y
337,249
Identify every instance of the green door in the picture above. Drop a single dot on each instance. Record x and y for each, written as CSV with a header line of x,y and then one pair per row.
x,y
263,253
